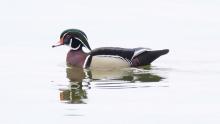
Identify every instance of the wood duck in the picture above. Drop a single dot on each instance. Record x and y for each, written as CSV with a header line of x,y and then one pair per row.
x,y
104,57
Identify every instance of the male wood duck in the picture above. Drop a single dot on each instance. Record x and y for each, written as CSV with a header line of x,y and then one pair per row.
x,y
104,57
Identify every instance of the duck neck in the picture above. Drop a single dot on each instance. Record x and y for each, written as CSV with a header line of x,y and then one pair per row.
x,y
76,58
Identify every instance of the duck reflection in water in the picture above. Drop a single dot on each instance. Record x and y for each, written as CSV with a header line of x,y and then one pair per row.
x,y
110,79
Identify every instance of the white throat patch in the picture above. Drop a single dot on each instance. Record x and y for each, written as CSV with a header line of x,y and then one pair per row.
x,y
76,48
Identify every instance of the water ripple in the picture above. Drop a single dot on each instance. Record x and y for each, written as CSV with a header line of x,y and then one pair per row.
x,y
81,80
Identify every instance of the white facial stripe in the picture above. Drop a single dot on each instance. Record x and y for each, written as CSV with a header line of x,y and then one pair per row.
x,y
76,48
83,35
64,34
71,40
81,42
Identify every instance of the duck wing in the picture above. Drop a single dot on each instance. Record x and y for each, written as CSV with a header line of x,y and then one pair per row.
x,y
113,51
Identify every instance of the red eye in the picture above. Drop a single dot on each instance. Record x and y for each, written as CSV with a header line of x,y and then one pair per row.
x,y
67,36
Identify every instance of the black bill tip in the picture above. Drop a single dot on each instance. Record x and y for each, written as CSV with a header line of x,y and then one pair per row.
x,y
56,45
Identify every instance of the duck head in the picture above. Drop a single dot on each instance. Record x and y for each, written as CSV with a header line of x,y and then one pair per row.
x,y
74,38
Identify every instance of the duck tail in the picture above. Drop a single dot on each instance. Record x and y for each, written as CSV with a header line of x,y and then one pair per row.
x,y
147,57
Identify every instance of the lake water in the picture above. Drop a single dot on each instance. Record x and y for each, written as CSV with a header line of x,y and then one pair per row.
x,y
180,87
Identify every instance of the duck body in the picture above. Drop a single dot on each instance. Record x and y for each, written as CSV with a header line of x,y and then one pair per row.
x,y
104,57
113,57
